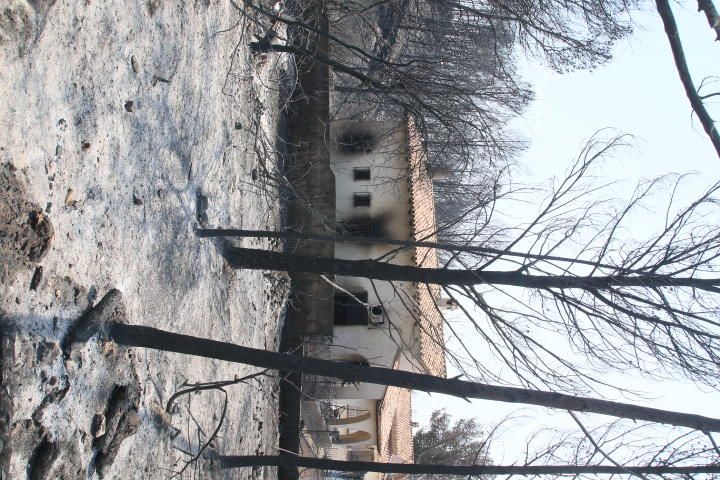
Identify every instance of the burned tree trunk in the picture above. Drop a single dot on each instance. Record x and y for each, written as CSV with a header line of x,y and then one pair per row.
x,y
255,259
371,240
307,120
673,36
460,470
147,337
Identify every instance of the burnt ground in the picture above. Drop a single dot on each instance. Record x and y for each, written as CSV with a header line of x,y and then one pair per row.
x,y
125,126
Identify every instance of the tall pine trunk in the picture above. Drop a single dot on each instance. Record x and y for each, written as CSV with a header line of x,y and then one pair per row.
x,y
148,337
458,470
256,259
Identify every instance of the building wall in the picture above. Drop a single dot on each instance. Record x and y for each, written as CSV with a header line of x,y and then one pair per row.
x,y
388,186
390,205
380,345
360,449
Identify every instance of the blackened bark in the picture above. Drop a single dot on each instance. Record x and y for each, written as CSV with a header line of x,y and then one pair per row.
x,y
460,470
335,65
307,123
255,259
448,247
711,13
148,337
290,399
671,30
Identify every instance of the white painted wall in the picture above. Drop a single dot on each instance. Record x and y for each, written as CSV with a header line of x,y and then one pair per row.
x,y
343,452
379,345
389,191
388,185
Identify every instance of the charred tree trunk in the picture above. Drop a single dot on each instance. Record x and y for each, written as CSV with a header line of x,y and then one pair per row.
x,y
139,336
711,13
255,259
460,470
326,60
290,400
448,247
307,122
696,102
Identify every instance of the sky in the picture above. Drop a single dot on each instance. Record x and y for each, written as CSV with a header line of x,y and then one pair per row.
x,y
639,93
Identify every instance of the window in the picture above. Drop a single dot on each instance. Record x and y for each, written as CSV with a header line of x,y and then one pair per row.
x,y
356,142
348,311
361,199
361,173
359,228
362,227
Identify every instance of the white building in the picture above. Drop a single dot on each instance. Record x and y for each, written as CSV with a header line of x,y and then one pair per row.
x,y
383,189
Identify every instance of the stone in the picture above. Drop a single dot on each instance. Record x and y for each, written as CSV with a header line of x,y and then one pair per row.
x,y
36,278
98,425
70,198
26,233
46,352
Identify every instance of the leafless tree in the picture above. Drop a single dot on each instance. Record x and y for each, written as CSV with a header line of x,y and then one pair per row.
x,y
697,101
469,470
597,452
620,444
570,270
139,336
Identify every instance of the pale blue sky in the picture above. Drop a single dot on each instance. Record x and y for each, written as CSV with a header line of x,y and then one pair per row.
x,y
638,93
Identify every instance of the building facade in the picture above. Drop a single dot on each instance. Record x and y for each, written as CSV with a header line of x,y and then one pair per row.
x,y
383,190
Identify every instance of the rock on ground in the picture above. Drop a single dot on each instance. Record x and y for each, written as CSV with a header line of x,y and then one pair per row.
x,y
125,125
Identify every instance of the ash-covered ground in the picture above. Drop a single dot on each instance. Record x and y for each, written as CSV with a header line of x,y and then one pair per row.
x,y
125,125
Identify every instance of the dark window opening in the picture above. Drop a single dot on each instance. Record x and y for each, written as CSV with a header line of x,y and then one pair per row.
x,y
357,142
349,311
361,173
361,199
362,227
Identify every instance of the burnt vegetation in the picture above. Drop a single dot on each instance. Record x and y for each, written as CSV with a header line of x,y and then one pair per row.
x,y
647,305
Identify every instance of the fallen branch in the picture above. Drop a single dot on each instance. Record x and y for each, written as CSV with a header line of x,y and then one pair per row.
x,y
209,386
210,439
